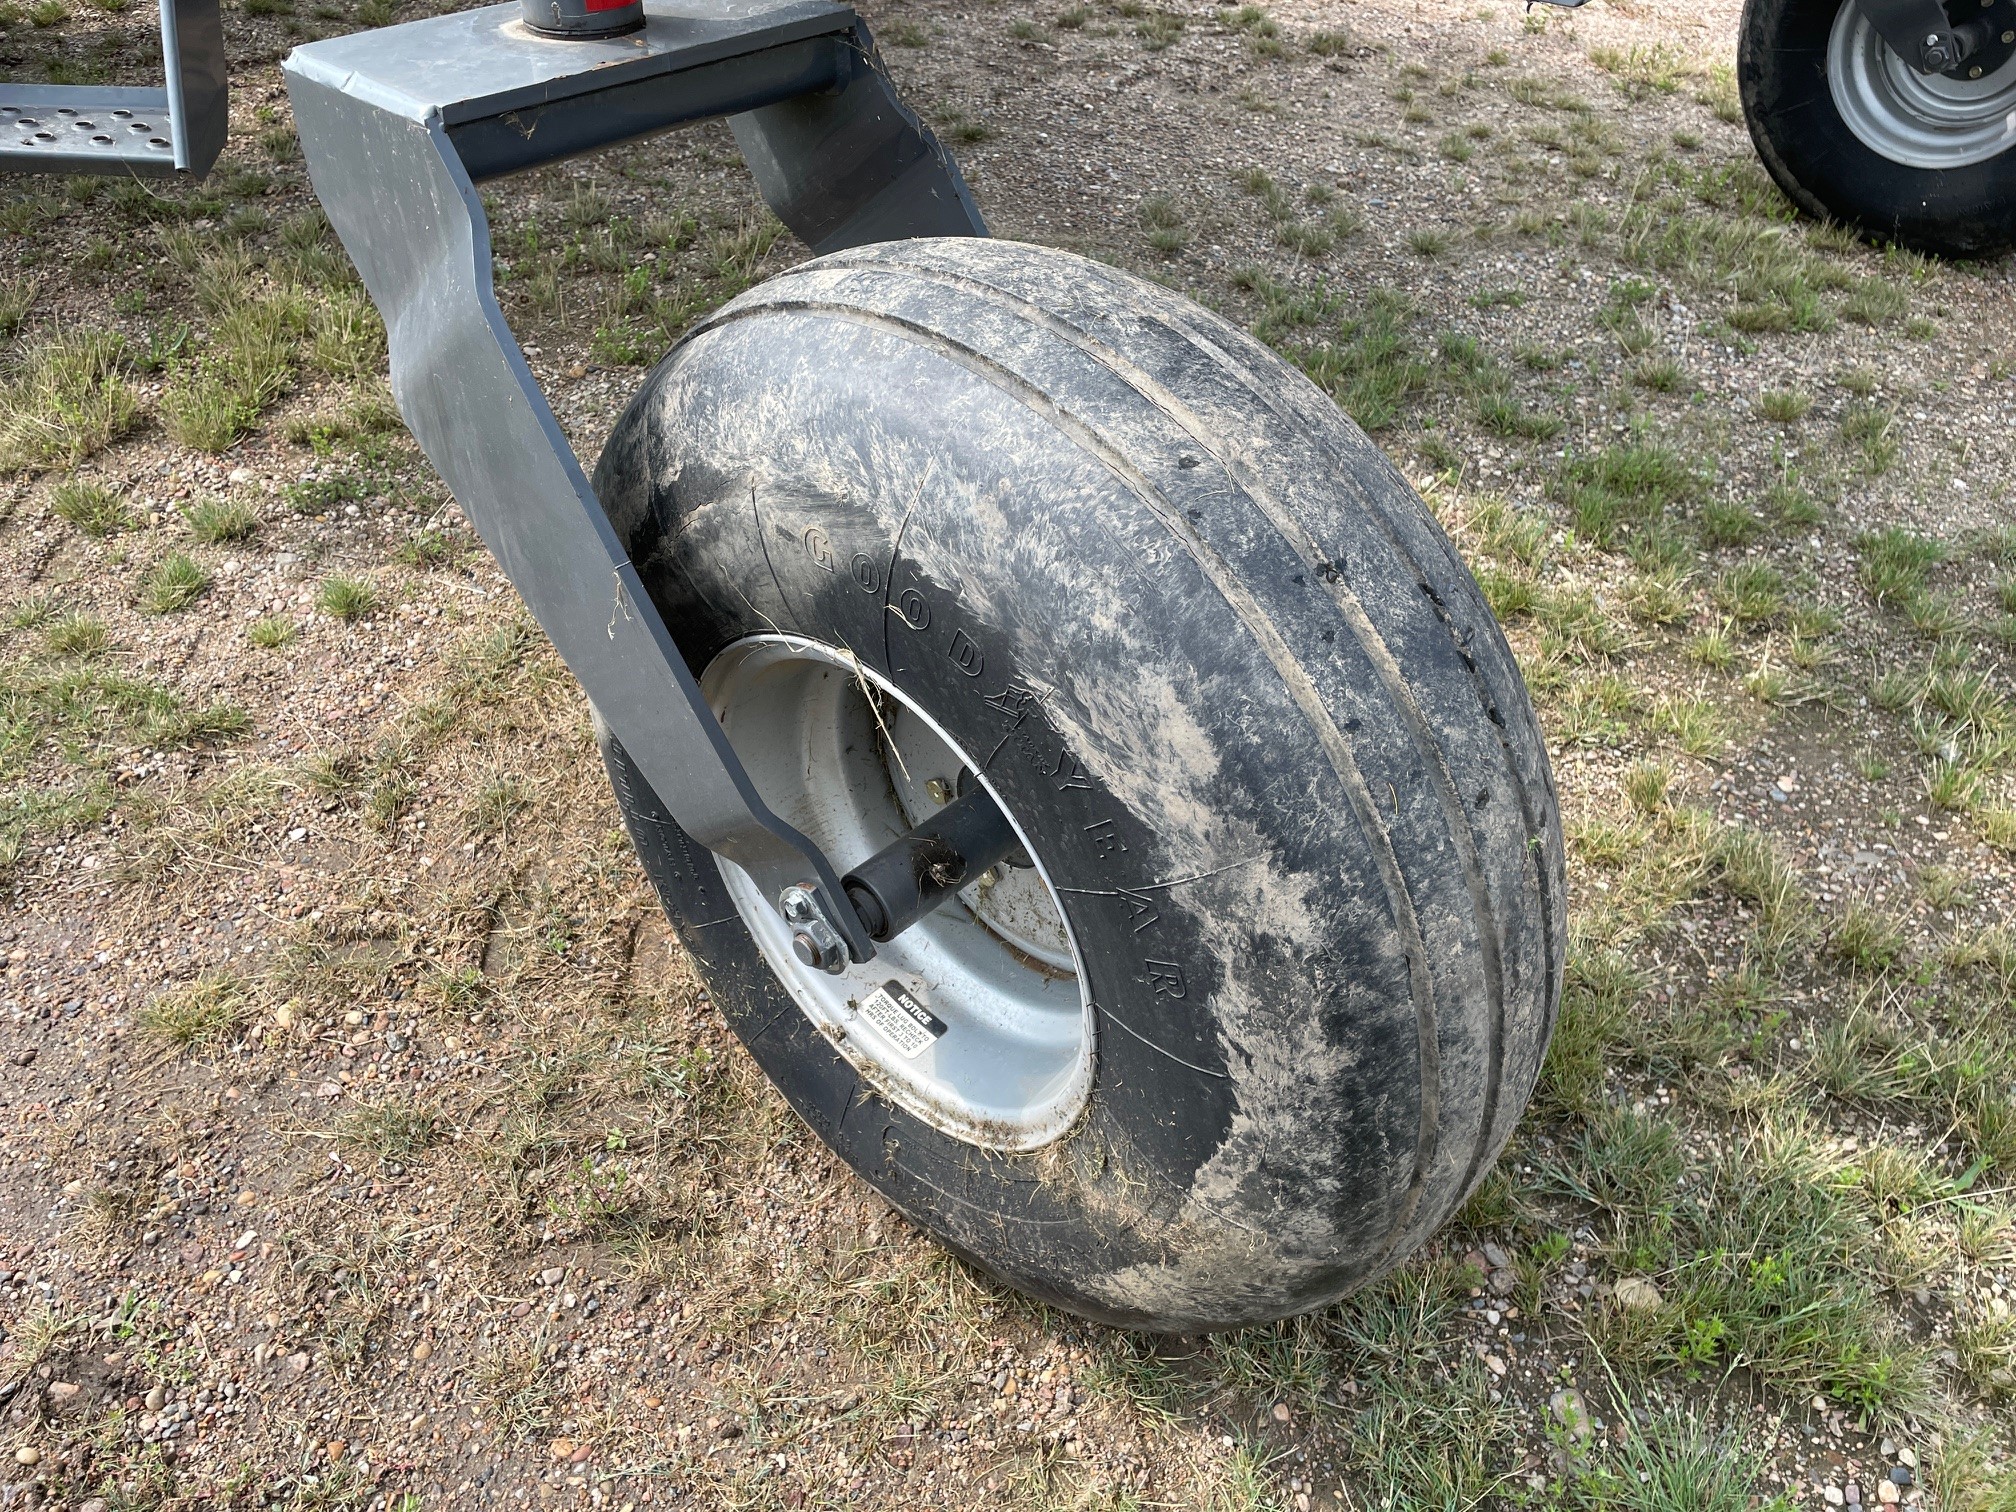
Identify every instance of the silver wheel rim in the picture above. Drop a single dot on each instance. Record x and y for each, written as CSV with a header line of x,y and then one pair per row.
x,y
1919,120
843,756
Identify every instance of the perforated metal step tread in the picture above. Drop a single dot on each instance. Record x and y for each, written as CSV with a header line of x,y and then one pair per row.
x,y
70,128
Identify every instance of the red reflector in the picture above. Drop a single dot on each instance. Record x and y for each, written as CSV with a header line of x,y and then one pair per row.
x,y
592,6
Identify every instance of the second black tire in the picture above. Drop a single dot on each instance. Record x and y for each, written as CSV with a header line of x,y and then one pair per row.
x,y
1237,690
1796,120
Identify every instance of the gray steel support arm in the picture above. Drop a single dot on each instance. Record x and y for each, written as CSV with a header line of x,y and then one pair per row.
x,y
398,124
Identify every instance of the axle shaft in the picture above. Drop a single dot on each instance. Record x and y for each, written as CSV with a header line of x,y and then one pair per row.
x,y
911,876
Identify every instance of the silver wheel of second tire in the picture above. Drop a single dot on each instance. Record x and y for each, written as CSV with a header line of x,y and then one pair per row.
x,y
1003,1057
1918,120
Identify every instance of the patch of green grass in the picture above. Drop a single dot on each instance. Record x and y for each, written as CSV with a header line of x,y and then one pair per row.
x,y
1164,224
90,507
346,598
1750,594
1160,29
1866,939
1998,827
68,400
1765,1253
271,633
1662,375
17,298
1698,726
1726,523
425,548
1791,505
1871,430
1952,785
390,1130
1430,241
206,1011
1646,785
77,635
316,496
218,520
1875,301
1894,563
1784,405
174,583
347,337
1660,596
1619,489
1366,361
1505,416
246,365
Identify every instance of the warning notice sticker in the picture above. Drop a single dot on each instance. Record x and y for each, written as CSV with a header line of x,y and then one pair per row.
x,y
903,1021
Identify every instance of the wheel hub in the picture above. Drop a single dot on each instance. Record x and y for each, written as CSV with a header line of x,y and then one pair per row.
x,y
974,1018
1933,121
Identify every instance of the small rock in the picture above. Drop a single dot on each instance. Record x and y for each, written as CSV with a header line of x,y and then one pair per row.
x,y
1504,1283
1495,1257
1833,1495
1853,1491
1887,1493
576,370
95,1504
1901,1474
1636,1294
336,1448
1281,1413
423,1350
298,1363
27,1454
1908,1457
26,1057
561,1448
553,1275
157,1398
62,1393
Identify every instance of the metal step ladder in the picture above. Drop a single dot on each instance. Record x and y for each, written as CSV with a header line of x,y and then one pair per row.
x,y
117,129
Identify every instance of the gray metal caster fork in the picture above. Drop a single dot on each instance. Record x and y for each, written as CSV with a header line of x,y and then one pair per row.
x,y
399,125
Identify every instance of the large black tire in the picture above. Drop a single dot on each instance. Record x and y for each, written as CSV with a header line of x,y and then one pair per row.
x,y
1296,729
1828,171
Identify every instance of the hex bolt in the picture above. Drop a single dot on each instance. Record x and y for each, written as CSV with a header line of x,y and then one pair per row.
x,y
814,940
2009,36
1974,72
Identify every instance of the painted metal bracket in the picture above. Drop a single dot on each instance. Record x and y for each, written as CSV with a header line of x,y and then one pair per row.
x,y
399,124
153,133
1921,33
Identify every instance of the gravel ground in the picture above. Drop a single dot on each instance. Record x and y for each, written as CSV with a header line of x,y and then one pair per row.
x,y
369,1142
